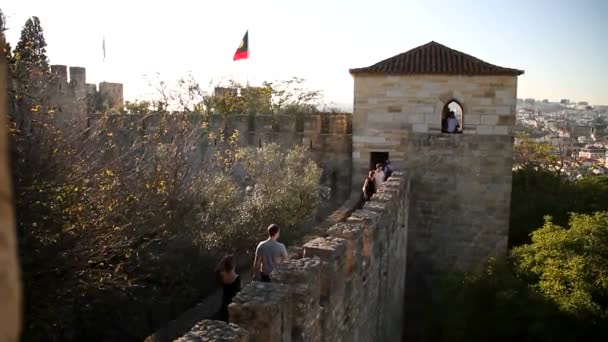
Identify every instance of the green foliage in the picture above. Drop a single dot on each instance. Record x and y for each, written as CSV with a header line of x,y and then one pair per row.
x,y
570,265
30,51
538,192
290,97
28,73
553,289
6,47
280,187
531,154
234,98
495,304
284,97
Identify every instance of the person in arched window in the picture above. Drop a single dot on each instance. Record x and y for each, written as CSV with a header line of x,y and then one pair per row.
x,y
444,122
452,123
230,281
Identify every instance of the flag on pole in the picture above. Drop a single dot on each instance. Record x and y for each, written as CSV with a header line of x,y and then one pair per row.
x,y
243,51
103,46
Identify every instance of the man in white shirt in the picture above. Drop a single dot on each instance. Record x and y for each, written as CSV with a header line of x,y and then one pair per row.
x,y
268,253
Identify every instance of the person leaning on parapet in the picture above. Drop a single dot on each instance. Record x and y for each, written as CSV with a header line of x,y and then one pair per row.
x,y
369,186
230,281
379,175
268,253
388,169
452,123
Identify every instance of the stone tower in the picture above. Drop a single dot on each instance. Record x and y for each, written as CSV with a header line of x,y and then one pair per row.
x,y
461,183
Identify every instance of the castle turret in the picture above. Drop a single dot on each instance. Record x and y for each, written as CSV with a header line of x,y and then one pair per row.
x,y
111,95
447,119
60,72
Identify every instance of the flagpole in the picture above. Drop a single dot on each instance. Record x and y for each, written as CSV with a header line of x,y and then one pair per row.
x,y
248,59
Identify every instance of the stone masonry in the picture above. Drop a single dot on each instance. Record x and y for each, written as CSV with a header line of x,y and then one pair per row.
x,y
208,330
348,286
74,97
461,183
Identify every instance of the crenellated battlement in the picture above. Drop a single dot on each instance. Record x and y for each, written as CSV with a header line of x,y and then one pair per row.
x,y
348,286
74,96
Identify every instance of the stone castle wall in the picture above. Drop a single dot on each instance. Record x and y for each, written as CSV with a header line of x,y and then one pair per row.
x,y
328,136
461,183
348,285
74,97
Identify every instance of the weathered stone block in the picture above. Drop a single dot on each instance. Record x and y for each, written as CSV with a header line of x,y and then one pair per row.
x,y
420,128
369,139
484,129
369,219
416,119
489,120
501,130
472,119
209,330
352,233
394,109
506,120
303,278
264,310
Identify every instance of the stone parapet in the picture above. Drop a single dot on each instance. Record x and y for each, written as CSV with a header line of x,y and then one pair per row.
x,y
347,284
209,330
264,310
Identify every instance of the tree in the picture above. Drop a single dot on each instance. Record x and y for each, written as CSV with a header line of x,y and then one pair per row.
x,y
6,49
30,52
281,97
531,154
290,97
124,216
570,265
538,192
553,289
29,74
494,304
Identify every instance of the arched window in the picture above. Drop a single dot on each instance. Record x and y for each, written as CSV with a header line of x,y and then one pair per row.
x,y
448,125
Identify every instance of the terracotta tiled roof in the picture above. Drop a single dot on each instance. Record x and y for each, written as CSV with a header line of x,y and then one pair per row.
x,y
434,58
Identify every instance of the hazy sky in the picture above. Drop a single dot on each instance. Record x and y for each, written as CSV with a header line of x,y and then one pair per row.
x,y
561,44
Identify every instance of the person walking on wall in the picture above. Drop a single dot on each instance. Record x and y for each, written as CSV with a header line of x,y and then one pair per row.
x,y
230,281
269,253
369,186
388,170
379,174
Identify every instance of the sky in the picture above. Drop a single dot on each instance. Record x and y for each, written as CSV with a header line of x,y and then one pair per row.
x,y
561,44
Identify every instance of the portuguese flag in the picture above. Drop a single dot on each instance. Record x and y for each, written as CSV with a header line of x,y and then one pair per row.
x,y
243,51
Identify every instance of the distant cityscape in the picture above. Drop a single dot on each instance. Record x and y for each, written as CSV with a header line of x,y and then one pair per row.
x,y
577,131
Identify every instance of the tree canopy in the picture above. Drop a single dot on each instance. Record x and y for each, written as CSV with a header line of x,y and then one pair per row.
x,y
30,51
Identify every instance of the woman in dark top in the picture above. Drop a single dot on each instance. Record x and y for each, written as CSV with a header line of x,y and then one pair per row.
x,y
369,186
230,281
